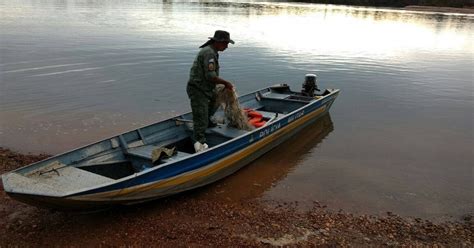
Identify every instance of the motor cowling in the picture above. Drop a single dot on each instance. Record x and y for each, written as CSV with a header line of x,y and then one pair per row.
x,y
309,85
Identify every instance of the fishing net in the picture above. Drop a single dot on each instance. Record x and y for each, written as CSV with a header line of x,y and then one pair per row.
x,y
233,112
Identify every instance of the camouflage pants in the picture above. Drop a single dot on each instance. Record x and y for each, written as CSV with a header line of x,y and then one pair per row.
x,y
203,107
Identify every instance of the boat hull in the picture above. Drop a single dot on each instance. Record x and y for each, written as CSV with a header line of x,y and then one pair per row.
x,y
215,165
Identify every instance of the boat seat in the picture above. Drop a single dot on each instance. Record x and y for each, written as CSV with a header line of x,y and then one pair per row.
x,y
231,132
141,151
276,95
267,114
226,131
145,152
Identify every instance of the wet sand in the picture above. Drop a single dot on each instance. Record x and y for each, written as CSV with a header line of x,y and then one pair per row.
x,y
202,218
440,9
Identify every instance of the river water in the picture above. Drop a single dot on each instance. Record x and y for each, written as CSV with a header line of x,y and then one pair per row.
x,y
399,137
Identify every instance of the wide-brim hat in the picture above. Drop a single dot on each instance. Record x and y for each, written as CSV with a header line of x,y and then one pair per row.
x,y
222,36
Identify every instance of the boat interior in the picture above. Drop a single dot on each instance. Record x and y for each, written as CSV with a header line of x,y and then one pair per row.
x,y
141,149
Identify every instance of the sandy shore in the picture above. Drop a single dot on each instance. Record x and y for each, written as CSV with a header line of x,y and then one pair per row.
x,y
440,9
200,219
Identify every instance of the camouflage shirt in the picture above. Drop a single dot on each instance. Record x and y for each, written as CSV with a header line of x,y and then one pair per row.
x,y
205,67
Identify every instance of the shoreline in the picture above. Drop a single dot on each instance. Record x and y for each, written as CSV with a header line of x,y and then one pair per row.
x,y
450,10
201,218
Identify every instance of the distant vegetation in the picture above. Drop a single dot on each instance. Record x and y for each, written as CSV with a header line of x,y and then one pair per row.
x,y
397,3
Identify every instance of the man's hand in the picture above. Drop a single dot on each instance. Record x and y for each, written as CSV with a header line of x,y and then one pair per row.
x,y
218,80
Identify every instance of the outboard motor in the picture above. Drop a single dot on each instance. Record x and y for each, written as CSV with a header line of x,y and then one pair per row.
x,y
309,85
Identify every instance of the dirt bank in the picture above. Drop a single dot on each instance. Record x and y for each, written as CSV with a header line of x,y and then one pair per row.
x,y
192,219
466,10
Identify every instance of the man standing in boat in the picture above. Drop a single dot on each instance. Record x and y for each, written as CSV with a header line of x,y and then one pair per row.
x,y
201,88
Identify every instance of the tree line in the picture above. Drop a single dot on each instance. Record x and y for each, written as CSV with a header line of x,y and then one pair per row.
x,y
397,3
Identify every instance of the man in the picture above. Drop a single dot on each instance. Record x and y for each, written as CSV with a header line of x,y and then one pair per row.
x,y
203,78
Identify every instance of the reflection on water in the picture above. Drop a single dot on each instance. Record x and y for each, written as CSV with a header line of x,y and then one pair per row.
x,y
268,171
362,31
73,72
